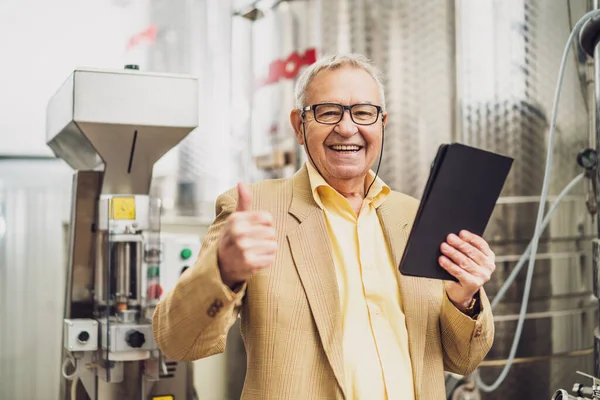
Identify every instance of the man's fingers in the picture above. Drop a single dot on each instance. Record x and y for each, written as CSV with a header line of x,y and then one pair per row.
x,y
467,249
261,232
252,218
477,241
244,197
465,278
246,230
260,217
259,261
458,258
259,246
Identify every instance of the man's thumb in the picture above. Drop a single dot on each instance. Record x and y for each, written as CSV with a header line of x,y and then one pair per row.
x,y
244,197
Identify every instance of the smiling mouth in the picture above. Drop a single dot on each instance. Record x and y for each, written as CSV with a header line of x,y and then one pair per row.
x,y
346,148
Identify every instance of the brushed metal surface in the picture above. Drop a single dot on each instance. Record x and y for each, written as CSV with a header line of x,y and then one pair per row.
x,y
34,205
538,379
550,328
508,59
412,43
82,241
126,120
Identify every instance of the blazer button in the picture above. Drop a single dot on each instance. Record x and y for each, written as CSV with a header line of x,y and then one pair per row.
x,y
214,308
478,331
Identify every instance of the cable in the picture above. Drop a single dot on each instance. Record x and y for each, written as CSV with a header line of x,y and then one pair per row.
x,y
513,275
69,359
74,388
580,78
538,225
380,158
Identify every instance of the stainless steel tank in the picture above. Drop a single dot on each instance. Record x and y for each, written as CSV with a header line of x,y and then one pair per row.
x,y
34,212
194,37
508,59
412,43
484,73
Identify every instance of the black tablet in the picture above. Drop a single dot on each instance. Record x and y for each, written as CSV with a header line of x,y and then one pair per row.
x,y
461,192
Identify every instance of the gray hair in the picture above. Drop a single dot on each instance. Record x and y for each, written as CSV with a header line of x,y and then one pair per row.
x,y
336,61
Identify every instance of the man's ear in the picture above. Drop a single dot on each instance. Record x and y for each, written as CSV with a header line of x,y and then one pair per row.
x,y
384,119
296,121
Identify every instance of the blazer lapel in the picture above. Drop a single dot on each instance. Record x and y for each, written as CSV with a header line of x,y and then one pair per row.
x,y
412,292
312,254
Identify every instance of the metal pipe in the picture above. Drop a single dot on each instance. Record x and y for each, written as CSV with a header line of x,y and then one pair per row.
x,y
99,282
595,113
590,72
138,273
123,261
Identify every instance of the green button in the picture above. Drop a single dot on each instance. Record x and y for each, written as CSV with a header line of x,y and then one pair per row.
x,y
186,253
153,271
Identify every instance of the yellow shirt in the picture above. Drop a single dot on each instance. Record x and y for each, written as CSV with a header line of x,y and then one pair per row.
x,y
376,357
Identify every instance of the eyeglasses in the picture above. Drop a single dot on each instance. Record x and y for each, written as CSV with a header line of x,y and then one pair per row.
x,y
332,113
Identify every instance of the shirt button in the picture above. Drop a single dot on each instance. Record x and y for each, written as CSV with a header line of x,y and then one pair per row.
x,y
375,310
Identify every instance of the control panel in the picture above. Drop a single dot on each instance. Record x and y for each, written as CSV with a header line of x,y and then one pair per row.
x,y
180,253
80,334
166,261
126,337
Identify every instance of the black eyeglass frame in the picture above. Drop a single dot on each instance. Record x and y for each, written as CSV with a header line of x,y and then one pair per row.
x,y
344,108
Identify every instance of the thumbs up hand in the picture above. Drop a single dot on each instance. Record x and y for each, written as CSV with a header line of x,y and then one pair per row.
x,y
247,243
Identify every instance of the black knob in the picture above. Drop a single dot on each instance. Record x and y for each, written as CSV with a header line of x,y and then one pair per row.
x,y
587,158
132,66
83,337
135,339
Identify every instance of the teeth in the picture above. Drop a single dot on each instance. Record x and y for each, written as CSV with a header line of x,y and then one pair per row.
x,y
345,148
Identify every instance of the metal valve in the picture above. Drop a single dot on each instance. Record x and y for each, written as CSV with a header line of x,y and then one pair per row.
x,y
588,160
580,391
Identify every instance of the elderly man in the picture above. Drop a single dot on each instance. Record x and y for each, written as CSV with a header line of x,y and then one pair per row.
x,y
311,264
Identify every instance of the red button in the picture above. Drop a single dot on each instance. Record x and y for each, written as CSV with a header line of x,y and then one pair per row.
x,y
154,291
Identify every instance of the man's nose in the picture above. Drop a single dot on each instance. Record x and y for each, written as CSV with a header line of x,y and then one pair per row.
x,y
346,126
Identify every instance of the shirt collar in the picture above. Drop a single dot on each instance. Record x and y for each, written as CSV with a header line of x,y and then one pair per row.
x,y
377,194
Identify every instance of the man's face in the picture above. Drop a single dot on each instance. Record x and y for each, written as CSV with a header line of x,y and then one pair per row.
x,y
339,164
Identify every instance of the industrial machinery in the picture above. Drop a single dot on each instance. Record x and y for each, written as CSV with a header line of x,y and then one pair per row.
x,y
178,253
587,30
589,40
111,127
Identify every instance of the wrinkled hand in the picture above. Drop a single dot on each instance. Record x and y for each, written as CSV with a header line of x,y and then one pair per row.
x,y
468,258
247,243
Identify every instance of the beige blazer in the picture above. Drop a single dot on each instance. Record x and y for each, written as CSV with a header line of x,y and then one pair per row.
x,y
290,312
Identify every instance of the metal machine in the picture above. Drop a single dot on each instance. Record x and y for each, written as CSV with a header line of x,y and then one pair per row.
x,y
589,40
111,127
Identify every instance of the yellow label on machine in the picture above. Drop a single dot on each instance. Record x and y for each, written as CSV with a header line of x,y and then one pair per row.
x,y
122,208
163,398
